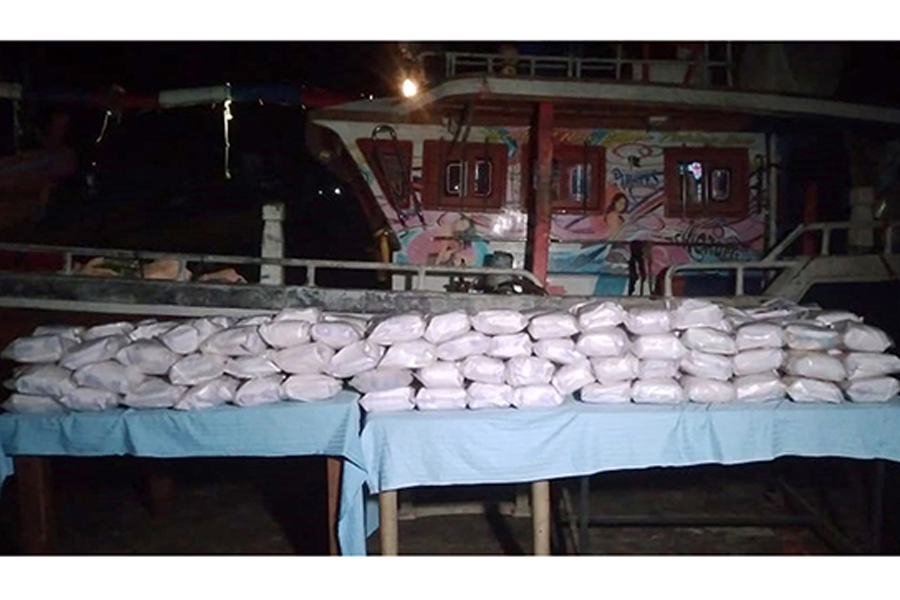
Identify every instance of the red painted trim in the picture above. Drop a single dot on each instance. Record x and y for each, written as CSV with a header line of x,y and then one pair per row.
x,y
388,151
734,159
436,153
540,217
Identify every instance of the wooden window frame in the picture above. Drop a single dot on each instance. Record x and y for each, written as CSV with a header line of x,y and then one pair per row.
x,y
437,154
735,160
367,147
568,156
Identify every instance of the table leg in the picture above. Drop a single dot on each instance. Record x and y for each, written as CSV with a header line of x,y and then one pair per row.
x,y
877,507
35,504
540,508
333,467
387,506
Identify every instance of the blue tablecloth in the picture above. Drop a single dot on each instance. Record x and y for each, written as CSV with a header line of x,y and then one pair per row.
x,y
410,449
327,428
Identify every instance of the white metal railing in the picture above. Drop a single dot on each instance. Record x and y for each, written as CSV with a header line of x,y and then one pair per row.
x,y
827,228
739,269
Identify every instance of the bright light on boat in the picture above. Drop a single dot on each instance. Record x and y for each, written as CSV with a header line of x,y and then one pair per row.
x,y
410,88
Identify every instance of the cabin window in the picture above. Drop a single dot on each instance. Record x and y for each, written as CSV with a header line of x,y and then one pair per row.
x,y
391,163
577,189
459,176
700,182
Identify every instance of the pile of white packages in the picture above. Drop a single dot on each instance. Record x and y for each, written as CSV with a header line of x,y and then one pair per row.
x,y
666,352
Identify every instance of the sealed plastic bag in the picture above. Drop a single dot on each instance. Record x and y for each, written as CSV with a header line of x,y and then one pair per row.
x,y
484,369
43,380
150,329
28,404
571,378
398,328
759,335
468,344
447,326
648,320
379,380
195,369
615,369
37,349
108,375
599,315
499,322
388,400
284,334
606,393
801,389
310,315
89,399
336,334
354,359
70,332
864,338
305,359
810,336
862,365
872,389
561,352
602,342
536,396
815,365
709,340
253,321
655,368
153,392
182,339
509,346
308,388
248,367
148,356
235,341
760,387
711,366
528,370
107,329
552,325
215,392
693,312
657,391
760,360
258,391
707,391
441,399
409,355
93,351
660,346
831,318
441,374
488,395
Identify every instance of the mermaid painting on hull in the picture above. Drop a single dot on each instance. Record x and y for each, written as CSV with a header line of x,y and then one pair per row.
x,y
454,240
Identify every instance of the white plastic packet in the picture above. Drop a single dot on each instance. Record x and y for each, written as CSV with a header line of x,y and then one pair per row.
x,y
616,369
108,375
148,356
694,312
309,314
606,393
561,352
778,309
206,326
37,349
646,320
468,344
499,322
441,399
308,388
862,365
195,369
484,369
536,396
397,328
509,346
92,351
709,340
602,342
235,341
864,338
599,315
107,329
89,399
248,367
552,325
807,335
253,321
43,380
284,334
441,374
336,334
760,387
258,391
182,339
447,326
711,366
305,359
153,392
801,389
657,391
355,358
708,391
760,360
215,392
528,370
830,318
571,378
656,368
759,335
488,395
388,400
379,380
150,329
659,346
28,404
70,332
872,389
409,355
815,365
